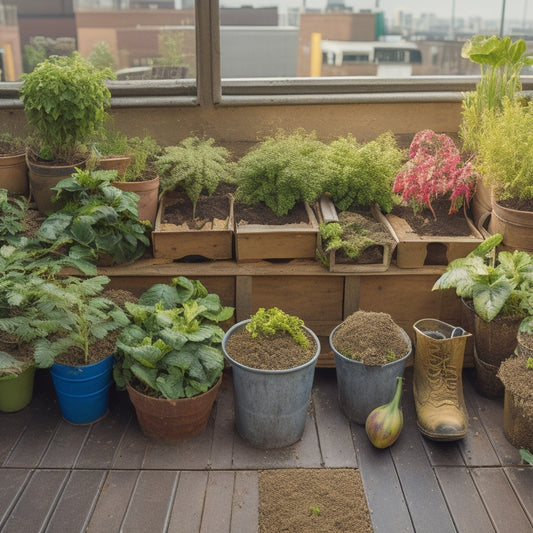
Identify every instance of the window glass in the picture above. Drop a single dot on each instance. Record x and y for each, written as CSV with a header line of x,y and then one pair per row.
x,y
138,39
290,38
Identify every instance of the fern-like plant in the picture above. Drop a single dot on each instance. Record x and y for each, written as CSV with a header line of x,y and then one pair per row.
x,y
195,166
12,213
172,345
282,170
360,175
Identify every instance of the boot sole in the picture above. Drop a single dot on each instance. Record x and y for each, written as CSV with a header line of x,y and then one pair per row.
x,y
440,437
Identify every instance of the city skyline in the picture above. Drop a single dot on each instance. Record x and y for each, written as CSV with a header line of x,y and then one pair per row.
x,y
486,9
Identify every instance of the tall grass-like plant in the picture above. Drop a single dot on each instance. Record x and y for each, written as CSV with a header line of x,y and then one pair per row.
x,y
65,100
363,174
282,170
505,152
195,166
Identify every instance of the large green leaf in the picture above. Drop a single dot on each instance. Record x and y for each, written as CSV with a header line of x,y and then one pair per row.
x,y
160,293
170,386
148,356
82,230
173,338
146,375
489,299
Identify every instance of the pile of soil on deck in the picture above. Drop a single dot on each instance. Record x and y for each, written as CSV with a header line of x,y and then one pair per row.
x,y
268,352
372,338
423,223
312,501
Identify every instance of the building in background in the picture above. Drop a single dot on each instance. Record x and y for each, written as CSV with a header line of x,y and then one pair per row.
x,y
10,49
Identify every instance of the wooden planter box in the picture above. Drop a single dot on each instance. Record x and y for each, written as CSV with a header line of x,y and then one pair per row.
x,y
255,242
415,251
213,241
327,213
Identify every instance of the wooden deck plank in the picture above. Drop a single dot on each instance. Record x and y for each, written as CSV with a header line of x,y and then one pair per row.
x,y
65,446
521,479
386,502
218,502
245,506
12,484
303,454
77,501
425,501
37,501
149,508
13,426
132,449
113,501
188,503
334,433
501,502
224,426
463,499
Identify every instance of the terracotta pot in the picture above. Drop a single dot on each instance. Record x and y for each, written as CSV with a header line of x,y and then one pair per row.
x,y
173,419
515,226
14,174
42,177
115,162
148,192
494,342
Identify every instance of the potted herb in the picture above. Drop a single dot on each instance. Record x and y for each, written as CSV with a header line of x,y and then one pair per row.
x,y
516,374
276,181
190,175
13,168
505,161
169,357
273,357
64,100
359,183
80,354
496,289
370,352
113,151
97,216
433,176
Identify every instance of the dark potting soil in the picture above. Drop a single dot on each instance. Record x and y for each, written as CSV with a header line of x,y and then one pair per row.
x,y
269,352
372,338
423,223
519,205
262,214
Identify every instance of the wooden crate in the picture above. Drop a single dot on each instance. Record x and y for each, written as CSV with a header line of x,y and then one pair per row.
x,y
327,213
415,251
256,242
213,241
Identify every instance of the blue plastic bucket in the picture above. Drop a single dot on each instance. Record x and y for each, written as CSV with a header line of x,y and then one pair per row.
x,y
83,391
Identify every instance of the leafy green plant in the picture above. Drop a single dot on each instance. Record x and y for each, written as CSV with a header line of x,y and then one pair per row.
x,y
84,315
143,152
12,213
434,170
195,166
501,61
282,170
498,284
97,216
526,456
101,56
170,46
505,152
270,321
172,346
362,174
64,100
11,144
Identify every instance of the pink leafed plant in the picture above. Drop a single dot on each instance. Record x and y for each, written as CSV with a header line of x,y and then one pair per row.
x,y
435,170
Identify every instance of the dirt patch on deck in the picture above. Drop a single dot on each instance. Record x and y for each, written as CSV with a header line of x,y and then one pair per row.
x,y
312,500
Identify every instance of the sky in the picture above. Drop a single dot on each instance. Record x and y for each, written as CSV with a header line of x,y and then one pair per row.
x,y
487,9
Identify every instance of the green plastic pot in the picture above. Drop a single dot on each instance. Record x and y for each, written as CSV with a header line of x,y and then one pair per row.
x,y
16,391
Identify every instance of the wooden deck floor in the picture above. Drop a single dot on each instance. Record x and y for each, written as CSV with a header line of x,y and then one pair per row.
x,y
108,477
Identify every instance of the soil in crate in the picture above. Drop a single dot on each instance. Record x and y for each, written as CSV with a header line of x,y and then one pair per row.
x,y
262,214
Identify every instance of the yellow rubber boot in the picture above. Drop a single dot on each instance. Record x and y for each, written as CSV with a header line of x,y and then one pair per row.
x,y
437,383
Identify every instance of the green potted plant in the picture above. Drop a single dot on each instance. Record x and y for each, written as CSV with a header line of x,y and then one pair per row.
x,y
359,186
370,352
504,160
169,357
516,374
13,168
434,176
191,175
12,214
501,62
273,357
276,181
97,216
64,99
496,288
